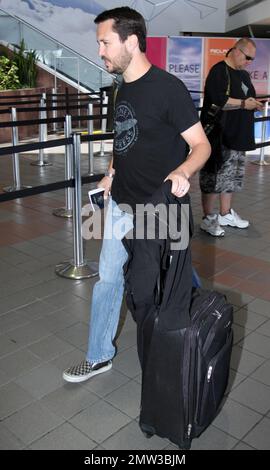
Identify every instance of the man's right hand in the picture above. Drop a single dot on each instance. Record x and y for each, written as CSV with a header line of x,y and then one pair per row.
x,y
106,184
251,103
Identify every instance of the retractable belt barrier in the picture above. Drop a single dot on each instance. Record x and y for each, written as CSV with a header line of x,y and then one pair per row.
x,y
52,143
49,94
30,122
78,267
38,95
52,108
42,122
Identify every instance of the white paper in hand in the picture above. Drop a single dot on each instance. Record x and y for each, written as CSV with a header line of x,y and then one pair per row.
x,y
96,198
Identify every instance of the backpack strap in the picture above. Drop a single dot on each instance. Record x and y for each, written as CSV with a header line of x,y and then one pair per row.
x,y
228,90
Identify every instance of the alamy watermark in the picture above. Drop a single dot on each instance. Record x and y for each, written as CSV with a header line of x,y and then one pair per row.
x,y
161,221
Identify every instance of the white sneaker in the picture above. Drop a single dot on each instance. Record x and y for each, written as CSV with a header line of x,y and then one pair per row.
x,y
210,225
233,219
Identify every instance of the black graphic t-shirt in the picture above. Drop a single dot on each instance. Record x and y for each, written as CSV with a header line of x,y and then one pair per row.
x,y
150,114
237,124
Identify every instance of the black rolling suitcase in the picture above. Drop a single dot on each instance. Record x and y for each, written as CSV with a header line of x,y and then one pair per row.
x,y
184,335
185,371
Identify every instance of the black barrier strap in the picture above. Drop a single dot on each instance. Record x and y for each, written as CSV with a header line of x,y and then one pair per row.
x,y
91,179
19,103
46,188
260,119
5,111
34,146
256,119
48,93
63,100
31,122
77,94
55,108
52,108
53,143
263,144
97,137
49,108
26,102
20,96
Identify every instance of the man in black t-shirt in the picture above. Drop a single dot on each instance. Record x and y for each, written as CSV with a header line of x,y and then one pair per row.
x,y
155,122
228,87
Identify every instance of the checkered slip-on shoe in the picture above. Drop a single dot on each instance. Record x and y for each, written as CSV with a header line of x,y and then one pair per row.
x,y
85,370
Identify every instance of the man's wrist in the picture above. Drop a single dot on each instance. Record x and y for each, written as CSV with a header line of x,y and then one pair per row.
x,y
184,173
243,103
109,173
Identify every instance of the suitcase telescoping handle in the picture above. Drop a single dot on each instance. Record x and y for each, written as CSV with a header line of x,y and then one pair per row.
x,y
175,281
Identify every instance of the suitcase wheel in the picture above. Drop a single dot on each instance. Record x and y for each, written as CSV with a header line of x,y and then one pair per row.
x,y
185,446
148,435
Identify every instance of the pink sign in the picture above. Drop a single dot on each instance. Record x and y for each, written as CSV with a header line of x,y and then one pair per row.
x,y
157,51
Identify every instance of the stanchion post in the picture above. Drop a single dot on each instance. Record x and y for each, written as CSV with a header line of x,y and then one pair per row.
x,y
104,111
103,123
54,104
263,138
67,210
68,157
15,158
90,128
262,161
45,132
42,135
78,268
77,202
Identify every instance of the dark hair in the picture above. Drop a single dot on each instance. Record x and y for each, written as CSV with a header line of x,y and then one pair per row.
x,y
244,42
126,22
241,42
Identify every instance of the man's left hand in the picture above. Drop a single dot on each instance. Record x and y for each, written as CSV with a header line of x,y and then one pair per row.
x,y
180,183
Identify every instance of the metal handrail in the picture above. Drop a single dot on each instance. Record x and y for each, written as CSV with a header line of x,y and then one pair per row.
x,y
100,70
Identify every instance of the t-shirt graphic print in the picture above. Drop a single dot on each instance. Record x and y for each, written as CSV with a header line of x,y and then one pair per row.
x,y
125,126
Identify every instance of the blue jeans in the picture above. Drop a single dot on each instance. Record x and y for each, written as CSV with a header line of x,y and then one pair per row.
x,y
196,282
108,291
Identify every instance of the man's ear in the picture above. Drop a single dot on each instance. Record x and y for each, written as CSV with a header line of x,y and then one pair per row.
x,y
132,42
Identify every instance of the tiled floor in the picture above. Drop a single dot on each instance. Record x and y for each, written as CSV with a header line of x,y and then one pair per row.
x,y
44,327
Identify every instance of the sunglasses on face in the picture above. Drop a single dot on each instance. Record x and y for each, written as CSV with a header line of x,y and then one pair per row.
x,y
247,57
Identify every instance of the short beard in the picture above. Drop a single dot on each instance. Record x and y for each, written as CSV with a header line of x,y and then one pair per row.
x,y
122,64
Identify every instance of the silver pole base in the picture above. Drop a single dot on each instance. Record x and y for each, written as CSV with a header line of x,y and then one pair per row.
x,y
70,271
260,162
103,154
10,189
45,163
62,212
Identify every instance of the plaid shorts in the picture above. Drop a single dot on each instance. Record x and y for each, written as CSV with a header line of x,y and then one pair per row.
x,y
229,178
